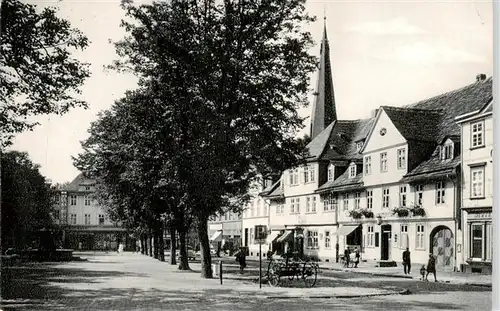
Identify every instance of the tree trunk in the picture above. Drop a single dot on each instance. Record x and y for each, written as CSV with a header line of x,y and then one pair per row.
x,y
142,244
206,258
146,246
173,246
150,243
184,264
161,241
155,243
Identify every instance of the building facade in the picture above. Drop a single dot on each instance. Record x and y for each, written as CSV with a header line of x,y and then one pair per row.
x,y
477,189
225,231
83,222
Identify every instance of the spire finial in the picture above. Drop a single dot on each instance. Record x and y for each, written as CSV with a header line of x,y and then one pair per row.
x,y
324,13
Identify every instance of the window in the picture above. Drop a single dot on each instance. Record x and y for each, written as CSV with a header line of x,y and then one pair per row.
x,y
87,219
331,172
359,145
352,171
368,165
401,158
385,198
294,205
371,238
369,199
73,219
312,174
306,174
420,242
357,199
57,214
312,239
402,196
477,182
86,199
297,205
72,199
447,152
477,241
383,162
308,205
313,207
87,188
294,177
279,209
477,133
345,202
327,239
419,194
440,192
329,203
404,237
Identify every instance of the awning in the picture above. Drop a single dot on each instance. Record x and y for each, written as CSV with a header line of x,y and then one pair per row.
x,y
346,230
217,236
270,238
285,236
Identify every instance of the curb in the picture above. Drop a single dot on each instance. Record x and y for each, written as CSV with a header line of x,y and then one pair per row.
x,y
369,273
402,292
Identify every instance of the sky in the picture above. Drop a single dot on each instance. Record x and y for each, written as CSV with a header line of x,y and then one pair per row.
x,y
382,52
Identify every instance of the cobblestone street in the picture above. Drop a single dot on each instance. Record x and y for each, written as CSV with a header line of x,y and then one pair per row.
x,y
136,282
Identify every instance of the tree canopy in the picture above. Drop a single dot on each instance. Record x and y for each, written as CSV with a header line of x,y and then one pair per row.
x,y
38,75
26,200
219,88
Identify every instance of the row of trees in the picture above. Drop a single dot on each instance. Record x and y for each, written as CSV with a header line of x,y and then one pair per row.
x,y
220,83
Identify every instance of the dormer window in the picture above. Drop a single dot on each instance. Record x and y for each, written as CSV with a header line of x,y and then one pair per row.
x,y
359,145
447,152
352,170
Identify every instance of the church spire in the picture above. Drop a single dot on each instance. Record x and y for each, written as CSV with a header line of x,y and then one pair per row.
x,y
324,110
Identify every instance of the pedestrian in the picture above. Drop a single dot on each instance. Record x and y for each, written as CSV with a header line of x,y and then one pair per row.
x,y
431,268
347,254
407,261
356,257
422,273
241,259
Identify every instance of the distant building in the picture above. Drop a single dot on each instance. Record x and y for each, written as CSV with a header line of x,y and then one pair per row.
x,y
477,188
225,229
84,223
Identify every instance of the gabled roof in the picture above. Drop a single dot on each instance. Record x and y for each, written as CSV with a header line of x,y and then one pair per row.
x,y
341,144
316,147
276,193
75,184
433,167
467,99
270,188
415,124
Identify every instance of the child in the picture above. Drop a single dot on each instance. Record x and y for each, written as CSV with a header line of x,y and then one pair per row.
x,y
422,272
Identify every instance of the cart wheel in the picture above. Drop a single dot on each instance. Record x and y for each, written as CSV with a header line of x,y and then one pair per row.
x,y
273,275
309,274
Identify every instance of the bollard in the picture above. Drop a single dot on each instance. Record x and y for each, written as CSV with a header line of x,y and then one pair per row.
x,y
220,271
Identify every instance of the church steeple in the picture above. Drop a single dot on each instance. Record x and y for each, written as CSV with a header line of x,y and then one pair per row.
x,y
324,110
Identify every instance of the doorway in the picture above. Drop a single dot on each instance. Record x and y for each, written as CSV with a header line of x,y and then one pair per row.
x,y
442,243
385,242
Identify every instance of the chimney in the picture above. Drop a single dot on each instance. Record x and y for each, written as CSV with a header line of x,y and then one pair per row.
x,y
374,113
481,77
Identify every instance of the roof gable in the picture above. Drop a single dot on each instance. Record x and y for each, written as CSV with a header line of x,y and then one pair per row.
x,y
415,124
383,134
316,147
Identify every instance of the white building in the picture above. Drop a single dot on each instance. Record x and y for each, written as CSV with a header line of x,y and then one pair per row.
x,y
477,188
224,229
85,224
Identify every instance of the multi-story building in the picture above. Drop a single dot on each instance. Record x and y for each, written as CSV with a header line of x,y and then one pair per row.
x,y
224,229
84,223
393,182
477,188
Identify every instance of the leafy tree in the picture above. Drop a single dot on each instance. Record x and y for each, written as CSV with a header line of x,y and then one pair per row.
x,y
26,201
37,73
243,67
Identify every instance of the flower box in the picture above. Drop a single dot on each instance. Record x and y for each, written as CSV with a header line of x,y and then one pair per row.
x,y
401,211
418,211
355,214
367,213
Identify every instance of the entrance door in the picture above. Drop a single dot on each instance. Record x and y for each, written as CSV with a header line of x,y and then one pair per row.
x,y
246,237
443,247
385,242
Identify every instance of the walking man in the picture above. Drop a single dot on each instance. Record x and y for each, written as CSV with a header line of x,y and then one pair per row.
x,y
431,267
407,261
347,254
356,257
